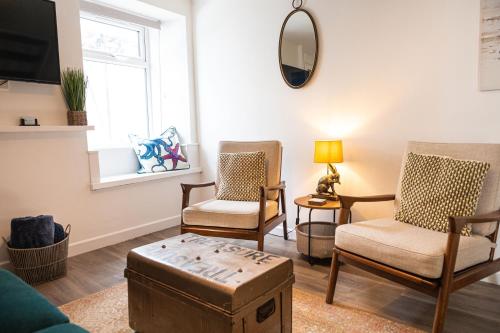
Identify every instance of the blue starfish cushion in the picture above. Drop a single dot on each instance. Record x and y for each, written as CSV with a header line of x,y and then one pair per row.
x,y
159,154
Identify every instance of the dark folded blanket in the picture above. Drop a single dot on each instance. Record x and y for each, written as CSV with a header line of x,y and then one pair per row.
x,y
59,233
32,232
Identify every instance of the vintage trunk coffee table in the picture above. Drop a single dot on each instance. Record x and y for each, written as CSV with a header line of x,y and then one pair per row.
x,y
197,284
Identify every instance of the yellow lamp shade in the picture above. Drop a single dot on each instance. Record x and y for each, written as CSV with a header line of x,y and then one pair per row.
x,y
328,152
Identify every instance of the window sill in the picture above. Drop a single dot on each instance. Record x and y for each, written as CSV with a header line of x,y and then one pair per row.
x,y
112,146
134,178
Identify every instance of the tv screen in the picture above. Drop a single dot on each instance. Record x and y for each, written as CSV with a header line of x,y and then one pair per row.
x,y
28,41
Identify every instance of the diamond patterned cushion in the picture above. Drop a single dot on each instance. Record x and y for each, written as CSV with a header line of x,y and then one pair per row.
x,y
436,187
241,175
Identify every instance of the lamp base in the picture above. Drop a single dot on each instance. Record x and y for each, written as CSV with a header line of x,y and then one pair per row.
x,y
326,185
329,197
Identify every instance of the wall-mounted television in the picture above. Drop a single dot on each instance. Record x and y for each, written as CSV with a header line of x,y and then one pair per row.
x,y
28,41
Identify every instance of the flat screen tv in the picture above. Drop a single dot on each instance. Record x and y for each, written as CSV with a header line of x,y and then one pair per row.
x,y
28,41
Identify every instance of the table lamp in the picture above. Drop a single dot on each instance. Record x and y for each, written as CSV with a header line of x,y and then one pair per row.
x,y
328,152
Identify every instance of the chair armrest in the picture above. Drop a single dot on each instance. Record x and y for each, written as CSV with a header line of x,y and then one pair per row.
x,y
457,223
264,190
188,187
186,190
348,201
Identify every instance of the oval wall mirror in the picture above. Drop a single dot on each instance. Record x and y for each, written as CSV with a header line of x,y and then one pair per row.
x,y
298,48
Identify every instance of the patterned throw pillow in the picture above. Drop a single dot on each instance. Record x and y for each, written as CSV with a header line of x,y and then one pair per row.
x,y
159,154
436,187
241,175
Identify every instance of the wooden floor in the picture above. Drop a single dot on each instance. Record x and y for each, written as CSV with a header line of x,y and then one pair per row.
x,y
473,309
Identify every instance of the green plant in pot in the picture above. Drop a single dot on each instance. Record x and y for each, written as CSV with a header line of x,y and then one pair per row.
x,y
74,87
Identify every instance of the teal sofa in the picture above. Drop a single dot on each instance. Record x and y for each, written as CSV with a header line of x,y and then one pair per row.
x,y
24,310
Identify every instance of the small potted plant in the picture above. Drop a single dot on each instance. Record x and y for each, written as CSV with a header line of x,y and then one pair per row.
x,y
74,86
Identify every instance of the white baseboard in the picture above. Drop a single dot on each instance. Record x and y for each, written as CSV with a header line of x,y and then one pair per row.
x,y
112,238
101,241
278,231
495,279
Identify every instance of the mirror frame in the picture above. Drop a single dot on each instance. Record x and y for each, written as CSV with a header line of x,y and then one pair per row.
x,y
281,42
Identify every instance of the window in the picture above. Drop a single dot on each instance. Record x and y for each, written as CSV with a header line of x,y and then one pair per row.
x,y
118,63
113,39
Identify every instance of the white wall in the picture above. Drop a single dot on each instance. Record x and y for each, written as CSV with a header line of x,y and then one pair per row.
x,y
389,71
45,101
49,173
291,56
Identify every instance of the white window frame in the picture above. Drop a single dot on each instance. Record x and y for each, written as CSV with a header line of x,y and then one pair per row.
x,y
143,61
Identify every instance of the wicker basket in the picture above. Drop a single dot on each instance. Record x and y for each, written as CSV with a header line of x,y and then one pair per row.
x,y
322,239
41,264
77,118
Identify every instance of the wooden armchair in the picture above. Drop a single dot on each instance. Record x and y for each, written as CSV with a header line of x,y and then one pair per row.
x,y
431,262
240,219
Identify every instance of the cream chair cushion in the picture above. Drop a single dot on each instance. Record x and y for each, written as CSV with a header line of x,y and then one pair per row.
x,y
489,200
228,214
407,247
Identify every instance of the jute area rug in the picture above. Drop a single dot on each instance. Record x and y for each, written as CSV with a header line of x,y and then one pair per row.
x,y
106,312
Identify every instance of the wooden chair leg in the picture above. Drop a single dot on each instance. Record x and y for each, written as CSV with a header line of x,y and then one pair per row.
x,y
260,243
283,209
441,308
450,258
285,230
332,281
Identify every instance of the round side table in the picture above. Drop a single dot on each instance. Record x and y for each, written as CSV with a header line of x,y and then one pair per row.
x,y
303,202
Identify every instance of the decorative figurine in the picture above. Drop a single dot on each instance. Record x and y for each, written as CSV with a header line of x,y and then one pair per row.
x,y
326,189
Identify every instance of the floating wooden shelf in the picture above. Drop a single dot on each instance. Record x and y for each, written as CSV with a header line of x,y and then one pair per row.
x,y
43,129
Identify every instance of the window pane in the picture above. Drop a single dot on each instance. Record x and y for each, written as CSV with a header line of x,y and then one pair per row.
x,y
117,102
97,102
116,40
